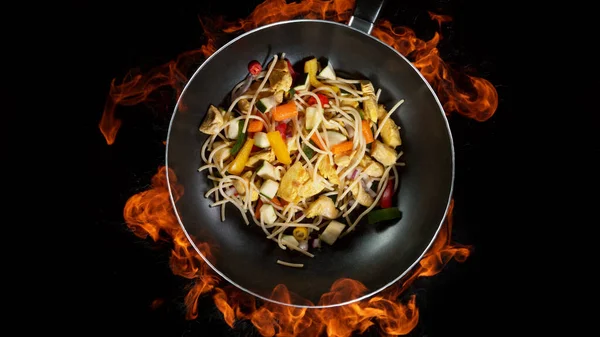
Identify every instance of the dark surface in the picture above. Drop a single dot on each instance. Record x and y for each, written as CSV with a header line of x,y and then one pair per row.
x,y
244,256
130,273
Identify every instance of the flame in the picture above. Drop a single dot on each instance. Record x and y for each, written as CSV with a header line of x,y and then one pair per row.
x,y
477,98
272,11
150,213
392,316
138,88
439,18
157,303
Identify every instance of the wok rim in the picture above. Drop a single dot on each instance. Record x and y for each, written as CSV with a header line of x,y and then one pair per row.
x,y
314,306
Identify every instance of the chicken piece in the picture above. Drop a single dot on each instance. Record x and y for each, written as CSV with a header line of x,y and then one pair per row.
x,y
227,116
390,132
253,87
328,171
267,155
291,182
221,154
323,206
353,104
361,196
241,189
381,111
213,121
243,105
310,188
343,160
370,104
280,78
383,153
371,167
278,96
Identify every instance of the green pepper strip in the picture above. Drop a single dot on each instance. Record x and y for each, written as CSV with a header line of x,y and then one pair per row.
x,y
384,215
308,151
240,140
361,113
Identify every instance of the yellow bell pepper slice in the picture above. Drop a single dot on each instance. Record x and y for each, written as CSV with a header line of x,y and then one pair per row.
x,y
311,67
335,89
279,147
300,233
242,157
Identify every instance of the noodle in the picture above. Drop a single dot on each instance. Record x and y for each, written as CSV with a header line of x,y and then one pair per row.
x,y
385,174
343,80
387,117
262,84
296,265
291,210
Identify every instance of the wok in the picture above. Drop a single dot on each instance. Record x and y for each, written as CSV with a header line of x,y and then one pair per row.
x,y
377,256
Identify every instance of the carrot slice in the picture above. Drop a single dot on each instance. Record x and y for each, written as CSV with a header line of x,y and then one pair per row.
x,y
317,141
258,206
255,126
276,201
285,111
367,132
342,147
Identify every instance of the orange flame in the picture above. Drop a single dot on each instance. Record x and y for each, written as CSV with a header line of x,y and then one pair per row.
x,y
439,18
150,213
136,89
157,303
478,99
272,11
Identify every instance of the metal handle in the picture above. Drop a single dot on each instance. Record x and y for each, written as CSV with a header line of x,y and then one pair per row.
x,y
365,14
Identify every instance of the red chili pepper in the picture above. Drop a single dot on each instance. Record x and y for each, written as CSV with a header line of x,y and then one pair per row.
x,y
386,198
254,67
291,69
281,127
324,100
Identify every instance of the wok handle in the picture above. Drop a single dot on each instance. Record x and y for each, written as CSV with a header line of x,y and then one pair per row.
x,y
365,15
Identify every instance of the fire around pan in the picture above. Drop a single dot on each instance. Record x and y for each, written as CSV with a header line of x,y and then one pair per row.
x,y
372,255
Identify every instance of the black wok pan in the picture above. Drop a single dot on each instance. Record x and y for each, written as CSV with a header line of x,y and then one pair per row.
x,y
374,255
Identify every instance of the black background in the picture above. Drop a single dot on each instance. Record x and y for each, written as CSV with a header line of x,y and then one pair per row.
x,y
130,273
